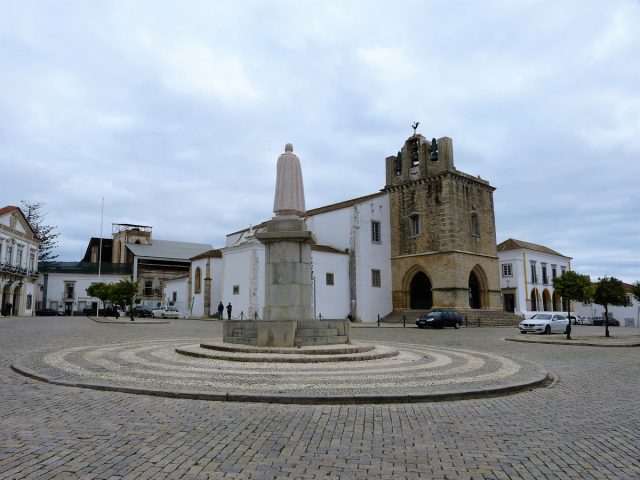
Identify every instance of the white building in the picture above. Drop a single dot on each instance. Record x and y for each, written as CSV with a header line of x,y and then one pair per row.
x,y
18,263
527,271
351,266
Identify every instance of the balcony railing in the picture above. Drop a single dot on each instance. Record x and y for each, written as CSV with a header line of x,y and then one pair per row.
x,y
8,268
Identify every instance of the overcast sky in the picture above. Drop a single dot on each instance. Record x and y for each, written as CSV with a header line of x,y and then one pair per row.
x,y
175,112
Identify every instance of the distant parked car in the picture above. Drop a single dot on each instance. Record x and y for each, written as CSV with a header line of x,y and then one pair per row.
x,y
600,322
440,319
165,312
578,320
544,323
142,311
48,312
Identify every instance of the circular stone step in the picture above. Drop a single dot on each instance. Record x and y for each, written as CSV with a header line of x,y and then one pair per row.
x,y
339,349
418,373
330,353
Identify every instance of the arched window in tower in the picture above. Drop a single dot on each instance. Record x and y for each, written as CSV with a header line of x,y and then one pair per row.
x,y
198,281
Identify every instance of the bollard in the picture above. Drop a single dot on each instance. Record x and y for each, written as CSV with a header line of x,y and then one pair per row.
x,y
404,321
255,315
242,315
478,321
378,320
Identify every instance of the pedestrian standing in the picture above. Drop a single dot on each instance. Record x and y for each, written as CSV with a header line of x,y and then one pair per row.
x,y
229,308
220,310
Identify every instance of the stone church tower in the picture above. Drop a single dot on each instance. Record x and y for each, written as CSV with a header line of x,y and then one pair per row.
x,y
443,235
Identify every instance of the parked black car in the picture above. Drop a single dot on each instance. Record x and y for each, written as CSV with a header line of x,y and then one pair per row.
x,y
440,319
600,321
141,311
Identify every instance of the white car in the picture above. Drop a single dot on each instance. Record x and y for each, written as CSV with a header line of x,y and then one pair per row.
x,y
544,323
165,312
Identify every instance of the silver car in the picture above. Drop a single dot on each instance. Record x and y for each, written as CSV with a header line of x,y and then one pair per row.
x,y
166,312
544,323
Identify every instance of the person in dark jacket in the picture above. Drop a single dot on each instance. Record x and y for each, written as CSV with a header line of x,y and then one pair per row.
x,y
229,308
220,310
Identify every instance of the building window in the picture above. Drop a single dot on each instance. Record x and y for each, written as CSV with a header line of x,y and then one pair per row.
x,y
375,231
414,225
534,273
32,260
69,288
236,289
375,278
7,258
174,297
329,278
197,287
475,224
562,270
554,273
19,255
148,288
506,270
545,279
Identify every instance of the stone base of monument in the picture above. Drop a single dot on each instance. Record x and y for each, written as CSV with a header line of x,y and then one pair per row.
x,y
287,333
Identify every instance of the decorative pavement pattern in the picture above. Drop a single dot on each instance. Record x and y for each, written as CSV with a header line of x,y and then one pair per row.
x,y
373,373
586,425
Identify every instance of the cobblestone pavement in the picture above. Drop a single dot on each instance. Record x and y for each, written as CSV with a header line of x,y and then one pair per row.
x,y
584,426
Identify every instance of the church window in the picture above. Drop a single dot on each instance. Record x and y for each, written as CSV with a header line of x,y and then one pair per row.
x,y
236,289
506,270
475,224
329,278
375,231
375,278
198,282
414,225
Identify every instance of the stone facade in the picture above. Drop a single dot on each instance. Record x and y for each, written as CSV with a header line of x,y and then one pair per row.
x,y
443,239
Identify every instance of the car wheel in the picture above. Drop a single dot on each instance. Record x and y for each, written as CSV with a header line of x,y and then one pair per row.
x,y
547,330
456,325
523,332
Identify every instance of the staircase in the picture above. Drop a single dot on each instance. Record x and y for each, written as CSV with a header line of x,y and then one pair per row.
x,y
472,317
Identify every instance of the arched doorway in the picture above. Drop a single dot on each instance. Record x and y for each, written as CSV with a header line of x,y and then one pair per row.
x,y
554,302
420,292
546,300
475,291
534,300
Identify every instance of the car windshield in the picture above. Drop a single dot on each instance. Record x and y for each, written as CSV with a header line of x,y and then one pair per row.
x,y
435,314
541,316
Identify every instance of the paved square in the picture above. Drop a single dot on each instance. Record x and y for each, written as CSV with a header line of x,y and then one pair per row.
x,y
586,425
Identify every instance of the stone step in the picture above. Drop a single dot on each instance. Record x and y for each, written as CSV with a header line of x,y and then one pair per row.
x,y
242,340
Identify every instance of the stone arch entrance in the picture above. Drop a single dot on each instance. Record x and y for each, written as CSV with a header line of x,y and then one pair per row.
x,y
535,302
546,300
420,295
477,288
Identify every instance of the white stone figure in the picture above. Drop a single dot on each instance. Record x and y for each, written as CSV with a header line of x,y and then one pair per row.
x,y
289,198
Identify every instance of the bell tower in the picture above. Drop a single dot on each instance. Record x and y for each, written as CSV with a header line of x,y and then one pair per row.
x,y
443,239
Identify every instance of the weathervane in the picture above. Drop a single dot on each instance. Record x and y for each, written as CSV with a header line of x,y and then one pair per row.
x,y
415,127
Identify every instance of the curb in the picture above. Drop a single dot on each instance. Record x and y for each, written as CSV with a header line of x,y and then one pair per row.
x,y
543,380
578,343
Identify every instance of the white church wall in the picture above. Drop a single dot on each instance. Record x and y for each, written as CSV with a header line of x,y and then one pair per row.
x,y
331,228
176,291
331,300
243,279
372,255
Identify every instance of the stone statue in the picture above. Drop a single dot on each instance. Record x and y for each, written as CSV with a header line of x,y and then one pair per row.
x,y
289,198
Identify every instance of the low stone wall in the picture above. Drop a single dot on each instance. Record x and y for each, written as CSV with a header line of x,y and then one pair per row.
x,y
286,333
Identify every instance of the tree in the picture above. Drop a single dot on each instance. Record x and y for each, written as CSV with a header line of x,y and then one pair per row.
x,y
572,286
102,291
635,289
610,291
123,293
46,233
